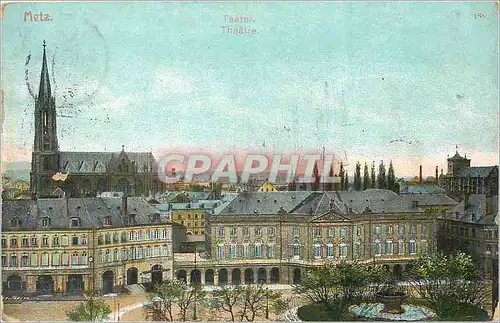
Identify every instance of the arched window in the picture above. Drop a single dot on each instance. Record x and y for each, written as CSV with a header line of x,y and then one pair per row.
x,y
74,259
296,249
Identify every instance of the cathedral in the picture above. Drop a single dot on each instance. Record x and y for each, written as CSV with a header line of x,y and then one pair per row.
x,y
79,173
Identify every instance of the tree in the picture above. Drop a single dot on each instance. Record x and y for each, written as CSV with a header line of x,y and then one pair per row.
x,y
346,181
330,174
169,292
189,295
92,309
342,175
316,177
381,180
448,282
227,298
255,298
391,179
373,182
366,178
337,285
357,177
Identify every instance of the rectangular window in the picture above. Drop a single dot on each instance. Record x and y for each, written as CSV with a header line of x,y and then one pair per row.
x,y
377,249
377,229
13,261
258,231
4,243
270,231
24,242
4,261
64,241
245,251
390,229
401,229
401,247
388,248
64,259
55,241
412,228
220,231
44,259
413,247
24,261
295,232
330,253
246,232
296,251
232,251
74,241
423,246
423,229
342,233
33,260
84,259
258,251
55,259
220,252
358,231
342,250
330,233
234,232
270,253
45,241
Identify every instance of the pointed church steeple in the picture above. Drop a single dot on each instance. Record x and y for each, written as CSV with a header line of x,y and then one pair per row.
x,y
44,92
45,160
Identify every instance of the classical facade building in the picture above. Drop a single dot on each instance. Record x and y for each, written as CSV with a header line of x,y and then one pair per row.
x,y
89,172
461,178
68,245
275,237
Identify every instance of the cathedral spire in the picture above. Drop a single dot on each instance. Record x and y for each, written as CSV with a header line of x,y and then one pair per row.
x,y
44,89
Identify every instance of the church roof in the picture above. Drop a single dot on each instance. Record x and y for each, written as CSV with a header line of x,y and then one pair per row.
x,y
100,162
91,212
44,91
479,171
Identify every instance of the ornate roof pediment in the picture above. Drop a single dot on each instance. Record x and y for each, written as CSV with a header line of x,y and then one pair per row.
x,y
330,217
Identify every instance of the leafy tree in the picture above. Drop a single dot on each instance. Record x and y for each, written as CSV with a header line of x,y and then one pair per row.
x,y
366,178
92,309
391,178
448,283
227,299
254,303
342,175
381,180
357,177
373,182
169,291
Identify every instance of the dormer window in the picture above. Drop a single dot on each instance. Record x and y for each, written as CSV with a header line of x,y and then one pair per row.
x,y
45,222
131,219
156,217
75,223
107,221
15,222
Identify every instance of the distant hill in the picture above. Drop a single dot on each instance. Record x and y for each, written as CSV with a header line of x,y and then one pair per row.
x,y
17,170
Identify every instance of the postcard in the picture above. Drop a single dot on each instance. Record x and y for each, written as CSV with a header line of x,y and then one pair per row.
x,y
249,161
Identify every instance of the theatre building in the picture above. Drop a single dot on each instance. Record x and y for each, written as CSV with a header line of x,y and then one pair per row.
x,y
69,245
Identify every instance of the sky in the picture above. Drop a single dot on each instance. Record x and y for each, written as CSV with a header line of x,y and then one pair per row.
x,y
404,82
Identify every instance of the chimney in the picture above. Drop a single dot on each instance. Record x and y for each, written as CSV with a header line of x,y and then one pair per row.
x,y
124,205
437,176
420,175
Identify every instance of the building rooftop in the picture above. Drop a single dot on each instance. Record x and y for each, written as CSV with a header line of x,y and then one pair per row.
x,y
343,202
91,212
